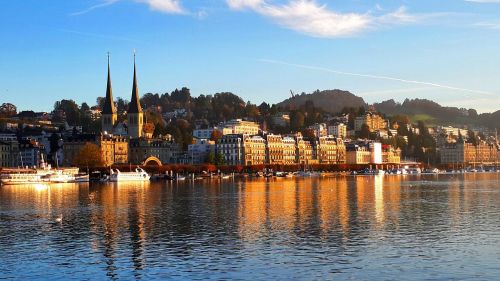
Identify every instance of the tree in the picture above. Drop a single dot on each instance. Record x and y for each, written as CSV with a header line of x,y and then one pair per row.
x,y
308,133
216,135
8,110
297,119
251,111
71,109
364,133
84,107
210,159
89,156
219,159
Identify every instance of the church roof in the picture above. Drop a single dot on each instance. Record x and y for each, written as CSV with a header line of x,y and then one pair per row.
x,y
135,104
109,104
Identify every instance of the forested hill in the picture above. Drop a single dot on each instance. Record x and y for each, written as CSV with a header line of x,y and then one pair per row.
x,y
332,101
433,113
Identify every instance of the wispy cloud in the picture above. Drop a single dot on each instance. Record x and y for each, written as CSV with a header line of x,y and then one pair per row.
x,y
483,1
103,4
381,77
315,19
394,92
163,6
488,25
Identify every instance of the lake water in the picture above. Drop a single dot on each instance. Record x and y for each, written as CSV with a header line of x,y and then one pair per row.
x,y
357,228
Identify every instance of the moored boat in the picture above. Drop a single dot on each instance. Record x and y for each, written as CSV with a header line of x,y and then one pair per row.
x,y
138,175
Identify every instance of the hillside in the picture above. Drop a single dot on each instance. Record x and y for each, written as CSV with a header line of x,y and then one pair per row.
x,y
433,113
332,101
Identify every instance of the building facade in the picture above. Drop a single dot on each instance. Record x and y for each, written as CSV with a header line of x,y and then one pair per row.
x,y
239,126
338,130
327,150
165,149
114,149
254,150
462,152
372,120
274,149
232,149
199,151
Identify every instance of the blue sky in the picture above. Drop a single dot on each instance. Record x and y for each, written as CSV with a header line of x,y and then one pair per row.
x,y
446,50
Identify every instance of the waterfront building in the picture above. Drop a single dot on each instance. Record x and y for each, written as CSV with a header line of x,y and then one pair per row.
x,y
30,152
254,150
327,150
358,154
114,149
338,130
289,151
375,152
462,152
391,155
199,151
374,122
305,151
341,151
9,153
232,149
163,148
274,149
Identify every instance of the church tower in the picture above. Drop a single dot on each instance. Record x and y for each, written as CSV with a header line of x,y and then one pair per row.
x,y
109,116
135,116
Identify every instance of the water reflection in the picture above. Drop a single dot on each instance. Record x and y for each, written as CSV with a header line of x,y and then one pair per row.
x,y
289,228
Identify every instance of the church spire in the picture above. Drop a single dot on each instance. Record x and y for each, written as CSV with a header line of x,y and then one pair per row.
x,y
135,105
109,104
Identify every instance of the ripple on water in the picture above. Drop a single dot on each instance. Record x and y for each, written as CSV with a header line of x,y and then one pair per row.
x,y
406,228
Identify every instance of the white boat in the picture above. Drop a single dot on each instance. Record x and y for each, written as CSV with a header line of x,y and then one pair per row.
x,y
21,177
59,177
307,174
138,175
82,178
43,174
180,178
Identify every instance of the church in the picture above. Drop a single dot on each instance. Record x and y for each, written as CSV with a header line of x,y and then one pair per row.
x,y
135,116
139,133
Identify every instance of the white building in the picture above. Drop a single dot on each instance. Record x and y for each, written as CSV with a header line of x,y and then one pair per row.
x,y
338,130
239,126
198,151
320,129
232,148
376,153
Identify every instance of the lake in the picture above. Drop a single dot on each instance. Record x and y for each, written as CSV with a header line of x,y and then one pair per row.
x,y
433,227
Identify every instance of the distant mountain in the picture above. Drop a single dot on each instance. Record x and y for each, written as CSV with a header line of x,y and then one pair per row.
x,y
332,101
433,113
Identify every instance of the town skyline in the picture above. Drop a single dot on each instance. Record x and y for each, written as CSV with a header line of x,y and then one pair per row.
x,y
443,52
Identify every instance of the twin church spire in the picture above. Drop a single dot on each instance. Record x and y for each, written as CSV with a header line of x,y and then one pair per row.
x,y
134,113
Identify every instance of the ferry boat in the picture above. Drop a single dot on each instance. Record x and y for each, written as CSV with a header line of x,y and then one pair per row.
x,y
138,175
23,176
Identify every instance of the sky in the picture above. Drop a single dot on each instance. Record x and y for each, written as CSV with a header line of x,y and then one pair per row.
x,y
446,50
